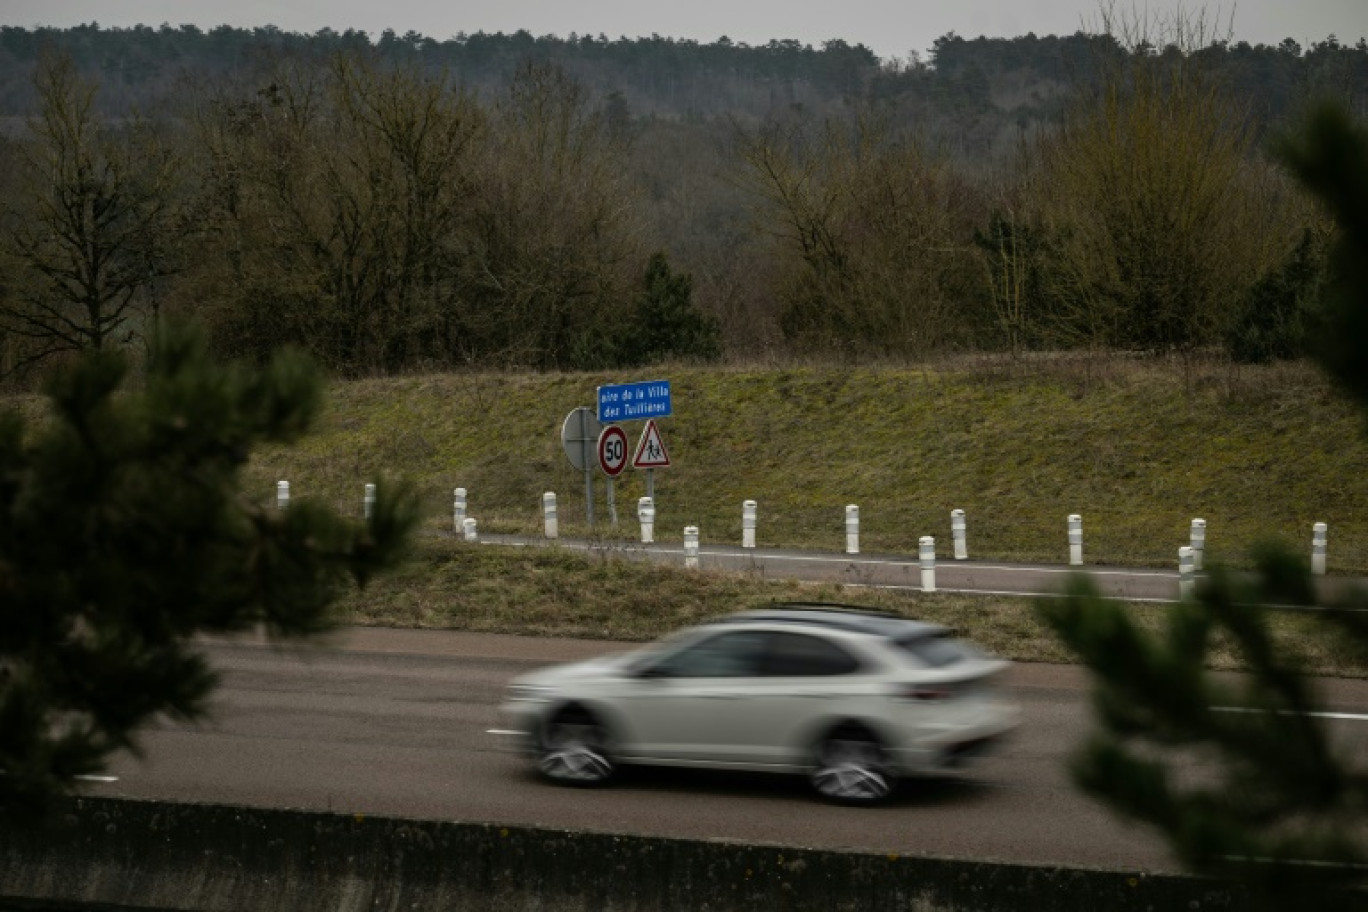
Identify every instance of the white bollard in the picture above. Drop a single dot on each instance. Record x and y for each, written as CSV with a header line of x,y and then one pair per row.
x,y
1318,548
749,509
458,509
549,514
691,547
282,494
852,529
468,526
368,502
957,532
1075,540
646,516
927,552
1185,573
1198,542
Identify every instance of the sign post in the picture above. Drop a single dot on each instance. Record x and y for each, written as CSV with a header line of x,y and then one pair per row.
x,y
612,458
650,455
579,436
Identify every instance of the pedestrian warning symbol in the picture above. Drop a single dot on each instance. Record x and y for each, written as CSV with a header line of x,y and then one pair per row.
x,y
650,451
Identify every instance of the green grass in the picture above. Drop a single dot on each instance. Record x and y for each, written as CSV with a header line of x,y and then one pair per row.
x,y
1138,450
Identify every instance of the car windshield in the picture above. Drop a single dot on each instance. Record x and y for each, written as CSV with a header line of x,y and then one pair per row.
x,y
938,651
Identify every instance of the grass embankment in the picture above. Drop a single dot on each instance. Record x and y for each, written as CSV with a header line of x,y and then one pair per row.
x,y
1138,450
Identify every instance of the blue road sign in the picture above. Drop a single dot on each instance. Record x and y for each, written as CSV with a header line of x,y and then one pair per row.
x,y
634,401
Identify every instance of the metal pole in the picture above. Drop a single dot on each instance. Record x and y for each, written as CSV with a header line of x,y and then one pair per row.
x,y
612,502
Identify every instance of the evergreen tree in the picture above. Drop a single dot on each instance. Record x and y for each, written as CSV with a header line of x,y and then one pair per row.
x,y
664,323
123,535
1239,774
1274,315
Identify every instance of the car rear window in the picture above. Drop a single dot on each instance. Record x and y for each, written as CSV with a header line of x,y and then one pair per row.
x,y
799,655
937,651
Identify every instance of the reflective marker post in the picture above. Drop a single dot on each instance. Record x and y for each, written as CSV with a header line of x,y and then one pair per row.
x,y
1075,540
646,516
748,516
458,509
1318,532
1197,541
549,515
927,553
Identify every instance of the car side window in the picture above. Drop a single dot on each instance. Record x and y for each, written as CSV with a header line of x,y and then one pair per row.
x,y
800,655
727,655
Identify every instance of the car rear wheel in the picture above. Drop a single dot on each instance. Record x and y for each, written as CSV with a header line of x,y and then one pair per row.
x,y
851,769
573,750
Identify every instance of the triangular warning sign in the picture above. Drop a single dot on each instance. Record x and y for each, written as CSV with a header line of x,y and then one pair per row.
x,y
650,451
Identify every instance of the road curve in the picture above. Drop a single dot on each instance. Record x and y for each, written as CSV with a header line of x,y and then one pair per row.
x,y
393,722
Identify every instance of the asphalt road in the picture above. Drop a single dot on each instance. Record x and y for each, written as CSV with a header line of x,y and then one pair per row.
x,y
395,722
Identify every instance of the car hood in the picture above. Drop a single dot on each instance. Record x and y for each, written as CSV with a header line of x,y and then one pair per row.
x,y
602,666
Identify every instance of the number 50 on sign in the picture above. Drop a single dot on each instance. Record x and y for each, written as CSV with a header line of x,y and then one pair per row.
x,y
612,450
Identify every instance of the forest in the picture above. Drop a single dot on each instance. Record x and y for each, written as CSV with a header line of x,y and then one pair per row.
x,y
402,203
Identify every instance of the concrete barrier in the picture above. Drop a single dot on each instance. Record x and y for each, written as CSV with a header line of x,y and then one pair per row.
x,y
103,853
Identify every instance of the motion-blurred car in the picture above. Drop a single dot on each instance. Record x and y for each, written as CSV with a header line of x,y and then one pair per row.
x,y
855,699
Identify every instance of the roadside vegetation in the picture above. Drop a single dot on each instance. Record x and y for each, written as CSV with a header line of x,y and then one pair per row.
x,y
552,591
1138,448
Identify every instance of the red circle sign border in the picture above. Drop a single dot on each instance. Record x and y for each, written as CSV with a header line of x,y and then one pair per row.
x,y
610,432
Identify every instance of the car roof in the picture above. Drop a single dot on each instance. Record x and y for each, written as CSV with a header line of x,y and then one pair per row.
x,y
852,618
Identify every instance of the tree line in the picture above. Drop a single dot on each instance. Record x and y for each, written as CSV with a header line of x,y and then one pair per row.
x,y
381,207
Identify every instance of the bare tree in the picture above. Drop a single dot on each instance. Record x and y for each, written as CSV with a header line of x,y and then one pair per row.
x,y
1148,198
91,228
874,229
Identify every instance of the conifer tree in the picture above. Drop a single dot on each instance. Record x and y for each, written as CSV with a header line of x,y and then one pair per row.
x,y
1240,774
124,534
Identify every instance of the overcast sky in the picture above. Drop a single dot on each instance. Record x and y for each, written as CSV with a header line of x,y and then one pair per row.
x,y
891,28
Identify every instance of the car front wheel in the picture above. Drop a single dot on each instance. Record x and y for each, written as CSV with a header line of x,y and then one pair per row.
x,y
573,750
851,769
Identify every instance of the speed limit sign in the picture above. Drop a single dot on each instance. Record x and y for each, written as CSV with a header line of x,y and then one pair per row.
x,y
612,450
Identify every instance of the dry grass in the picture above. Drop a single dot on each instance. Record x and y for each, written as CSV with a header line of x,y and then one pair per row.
x,y
555,592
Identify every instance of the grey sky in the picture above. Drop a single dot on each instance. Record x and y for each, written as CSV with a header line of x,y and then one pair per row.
x,y
891,28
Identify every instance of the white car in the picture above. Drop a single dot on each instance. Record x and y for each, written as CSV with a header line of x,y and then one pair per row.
x,y
855,699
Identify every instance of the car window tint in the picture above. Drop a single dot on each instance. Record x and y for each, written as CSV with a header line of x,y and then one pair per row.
x,y
938,652
727,655
800,655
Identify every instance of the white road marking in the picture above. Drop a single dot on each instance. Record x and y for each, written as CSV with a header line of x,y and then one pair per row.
x,y
1351,717
98,778
501,731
